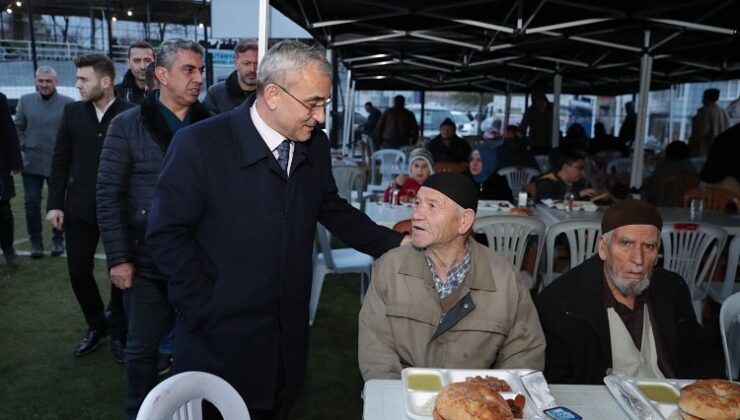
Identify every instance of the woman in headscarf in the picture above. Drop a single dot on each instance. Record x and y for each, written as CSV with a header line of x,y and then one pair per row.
x,y
493,186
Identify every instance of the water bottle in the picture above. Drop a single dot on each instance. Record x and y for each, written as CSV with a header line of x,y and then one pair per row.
x,y
394,194
568,202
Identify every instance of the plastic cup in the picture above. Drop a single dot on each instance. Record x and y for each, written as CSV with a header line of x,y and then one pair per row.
x,y
696,208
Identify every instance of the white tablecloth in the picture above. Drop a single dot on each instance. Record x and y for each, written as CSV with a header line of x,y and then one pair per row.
x,y
384,401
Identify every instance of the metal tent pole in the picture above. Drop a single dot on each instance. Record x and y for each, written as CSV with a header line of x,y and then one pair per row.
x,y
264,28
347,110
507,111
327,113
479,117
638,161
557,87
29,6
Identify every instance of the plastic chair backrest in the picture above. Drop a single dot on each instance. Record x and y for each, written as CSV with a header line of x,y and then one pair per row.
x,y
715,199
349,179
403,226
583,242
692,251
543,161
673,188
509,235
180,396
325,245
729,325
391,162
518,177
619,166
456,167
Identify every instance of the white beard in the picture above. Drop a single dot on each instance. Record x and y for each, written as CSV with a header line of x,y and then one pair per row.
x,y
635,289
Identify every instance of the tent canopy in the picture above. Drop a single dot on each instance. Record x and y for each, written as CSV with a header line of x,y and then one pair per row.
x,y
509,45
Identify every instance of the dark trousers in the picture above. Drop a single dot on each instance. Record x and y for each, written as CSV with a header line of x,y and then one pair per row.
x,y
33,185
7,229
150,319
82,240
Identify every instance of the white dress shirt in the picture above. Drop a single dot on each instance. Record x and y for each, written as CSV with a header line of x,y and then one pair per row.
x,y
271,137
101,112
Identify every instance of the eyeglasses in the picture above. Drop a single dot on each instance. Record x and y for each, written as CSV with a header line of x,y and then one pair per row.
x,y
310,108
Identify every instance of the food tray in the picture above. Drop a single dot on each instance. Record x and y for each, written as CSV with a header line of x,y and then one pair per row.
x,y
420,404
500,205
577,205
619,386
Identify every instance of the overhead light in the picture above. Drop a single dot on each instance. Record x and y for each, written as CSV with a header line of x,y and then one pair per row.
x,y
9,11
129,13
114,19
200,25
19,4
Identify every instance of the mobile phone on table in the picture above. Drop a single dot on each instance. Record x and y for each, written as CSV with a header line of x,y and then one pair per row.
x,y
562,413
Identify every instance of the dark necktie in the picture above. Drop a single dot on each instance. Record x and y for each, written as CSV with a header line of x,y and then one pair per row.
x,y
283,154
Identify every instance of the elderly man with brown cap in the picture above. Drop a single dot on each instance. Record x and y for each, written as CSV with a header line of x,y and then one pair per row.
x,y
446,302
618,310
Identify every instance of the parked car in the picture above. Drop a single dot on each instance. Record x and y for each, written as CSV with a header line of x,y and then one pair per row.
x,y
465,127
433,117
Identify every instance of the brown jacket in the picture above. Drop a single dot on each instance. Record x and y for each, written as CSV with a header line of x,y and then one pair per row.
x,y
491,323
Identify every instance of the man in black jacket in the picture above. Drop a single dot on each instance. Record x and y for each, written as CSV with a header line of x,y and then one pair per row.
x,y
242,82
132,155
10,162
71,202
617,310
133,86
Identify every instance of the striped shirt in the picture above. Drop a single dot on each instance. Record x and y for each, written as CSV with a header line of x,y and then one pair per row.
x,y
455,276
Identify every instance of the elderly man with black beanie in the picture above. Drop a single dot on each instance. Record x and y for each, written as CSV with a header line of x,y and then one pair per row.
x,y
618,310
446,301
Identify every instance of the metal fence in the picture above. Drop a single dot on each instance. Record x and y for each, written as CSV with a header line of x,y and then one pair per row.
x,y
20,50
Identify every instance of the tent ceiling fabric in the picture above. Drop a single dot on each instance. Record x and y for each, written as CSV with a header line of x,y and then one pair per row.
x,y
495,46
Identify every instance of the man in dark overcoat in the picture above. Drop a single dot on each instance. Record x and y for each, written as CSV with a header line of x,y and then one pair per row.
x,y
10,162
232,224
71,202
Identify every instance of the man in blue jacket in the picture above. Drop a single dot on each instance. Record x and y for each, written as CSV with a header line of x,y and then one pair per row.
x,y
232,225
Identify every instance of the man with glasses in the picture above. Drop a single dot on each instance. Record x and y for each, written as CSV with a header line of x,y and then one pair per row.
x,y
232,225
568,177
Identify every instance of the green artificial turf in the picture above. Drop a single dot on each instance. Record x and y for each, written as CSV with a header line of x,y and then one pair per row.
x,y
40,324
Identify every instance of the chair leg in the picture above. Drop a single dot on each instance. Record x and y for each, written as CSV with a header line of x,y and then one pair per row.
x,y
698,310
319,272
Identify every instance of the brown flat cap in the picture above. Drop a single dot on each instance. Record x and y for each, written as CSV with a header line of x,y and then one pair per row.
x,y
631,212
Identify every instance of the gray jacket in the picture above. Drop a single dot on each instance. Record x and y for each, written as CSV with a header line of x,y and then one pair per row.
x,y
37,122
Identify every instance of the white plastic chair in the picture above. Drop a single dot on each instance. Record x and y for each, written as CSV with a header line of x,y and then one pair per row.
x,y
583,242
543,161
391,163
345,260
518,176
509,236
350,181
721,291
729,326
179,397
692,251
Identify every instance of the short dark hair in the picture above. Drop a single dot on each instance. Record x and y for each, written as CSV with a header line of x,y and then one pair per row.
x,y
711,95
568,155
102,65
142,45
245,45
677,150
368,103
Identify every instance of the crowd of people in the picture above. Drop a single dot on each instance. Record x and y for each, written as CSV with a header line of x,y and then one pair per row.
x,y
207,213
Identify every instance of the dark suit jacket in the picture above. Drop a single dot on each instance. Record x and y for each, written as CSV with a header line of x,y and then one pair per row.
x,y
10,151
235,237
576,326
74,166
